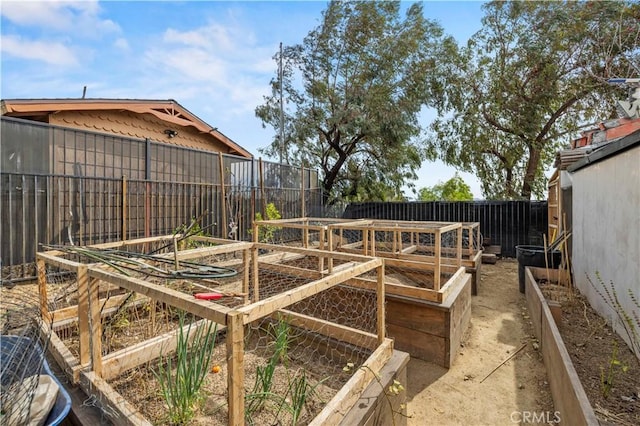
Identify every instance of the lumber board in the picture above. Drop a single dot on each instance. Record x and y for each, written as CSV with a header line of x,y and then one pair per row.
x,y
125,359
534,297
116,408
60,262
264,307
330,329
202,308
397,289
82,310
95,329
71,312
314,252
62,355
235,365
489,258
348,395
289,270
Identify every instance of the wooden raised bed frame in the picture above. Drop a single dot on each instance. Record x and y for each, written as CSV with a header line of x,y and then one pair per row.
x,y
569,397
92,369
427,323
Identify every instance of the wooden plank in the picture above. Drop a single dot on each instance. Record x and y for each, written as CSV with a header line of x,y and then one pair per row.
x,y
82,310
453,283
116,408
489,258
71,312
125,359
397,289
335,410
412,263
330,329
60,262
380,308
202,308
534,302
208,251
314,252
96,326
427,347
459,318
62,355
42,290
235,366
437,266
246,273
289,270
265,307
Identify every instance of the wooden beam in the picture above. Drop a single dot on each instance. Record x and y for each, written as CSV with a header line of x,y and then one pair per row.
x,y
116,408
96,325
42,290
437,266
82,311
289,270
330,329
235,367
380,308
314,252
348,395
397,289
265,307
62,355
202,308
223,195
124,208
71,312
60,262
125,359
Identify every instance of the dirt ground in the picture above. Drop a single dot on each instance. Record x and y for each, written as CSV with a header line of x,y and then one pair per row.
x,y
464,395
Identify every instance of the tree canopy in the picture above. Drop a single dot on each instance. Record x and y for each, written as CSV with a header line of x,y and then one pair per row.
x,y
354,90
526,82
455,189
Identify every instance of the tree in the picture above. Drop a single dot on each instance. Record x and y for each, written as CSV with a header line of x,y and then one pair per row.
x,y
455,189
354,89
526,82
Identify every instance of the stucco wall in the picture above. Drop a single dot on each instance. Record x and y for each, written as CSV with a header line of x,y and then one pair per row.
x,y
606,229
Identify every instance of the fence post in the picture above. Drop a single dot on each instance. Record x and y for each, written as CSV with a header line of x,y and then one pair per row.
x,y
302,209
124,208
224,197
263,201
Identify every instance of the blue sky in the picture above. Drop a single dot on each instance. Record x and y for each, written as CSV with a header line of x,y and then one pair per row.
x,y
213,57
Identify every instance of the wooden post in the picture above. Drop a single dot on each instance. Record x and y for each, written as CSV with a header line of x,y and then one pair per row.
x,y
365,241
262,195
459,247
437,261
254,266
235,367
124,208
224,198
42,290
175,253
83,315
373,242
302,209
96,326
329,232
246,263
321,247
381,321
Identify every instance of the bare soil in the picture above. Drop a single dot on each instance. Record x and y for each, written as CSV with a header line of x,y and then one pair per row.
x,y
600,358
469,393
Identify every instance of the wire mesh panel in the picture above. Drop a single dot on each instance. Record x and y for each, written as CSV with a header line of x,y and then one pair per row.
x,y
303,332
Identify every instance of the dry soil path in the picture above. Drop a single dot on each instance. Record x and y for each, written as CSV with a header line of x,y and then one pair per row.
x,y
499,326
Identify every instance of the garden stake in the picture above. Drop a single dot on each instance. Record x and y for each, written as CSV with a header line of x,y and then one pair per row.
x,y
504,362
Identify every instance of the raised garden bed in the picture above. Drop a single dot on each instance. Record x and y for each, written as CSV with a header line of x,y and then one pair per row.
x,y
578,348
263,294
427,288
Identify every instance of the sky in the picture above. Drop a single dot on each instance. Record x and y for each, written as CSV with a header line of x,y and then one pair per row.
x,y
215,58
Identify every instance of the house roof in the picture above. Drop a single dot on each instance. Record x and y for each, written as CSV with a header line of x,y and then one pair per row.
x,y
607,150
167,110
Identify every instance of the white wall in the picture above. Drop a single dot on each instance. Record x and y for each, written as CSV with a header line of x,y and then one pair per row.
x,y
606,229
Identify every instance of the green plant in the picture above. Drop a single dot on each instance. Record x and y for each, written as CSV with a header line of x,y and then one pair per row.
x,y
394,390
181,376
299,392
630,322
191,230
266,233
607,376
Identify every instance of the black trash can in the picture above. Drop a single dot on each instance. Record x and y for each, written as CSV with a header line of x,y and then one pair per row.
x,y
534,256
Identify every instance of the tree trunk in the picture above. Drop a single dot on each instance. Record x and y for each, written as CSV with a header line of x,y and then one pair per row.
x,y
530,174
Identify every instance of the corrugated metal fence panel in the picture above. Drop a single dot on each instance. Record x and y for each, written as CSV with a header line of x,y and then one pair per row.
x,y
505,223
63,186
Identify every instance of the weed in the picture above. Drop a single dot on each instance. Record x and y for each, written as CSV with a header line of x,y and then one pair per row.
x,y
630,323
607,376
181,376
266,233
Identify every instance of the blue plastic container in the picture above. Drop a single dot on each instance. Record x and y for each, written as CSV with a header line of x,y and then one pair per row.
x,y
18,345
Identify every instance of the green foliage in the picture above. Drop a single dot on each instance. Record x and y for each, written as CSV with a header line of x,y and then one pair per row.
x,y
455,189
181,376
608,374
630,322
354,91
266,233
525,83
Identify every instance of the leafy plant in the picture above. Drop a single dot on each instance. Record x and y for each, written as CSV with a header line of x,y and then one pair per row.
x,y
181,376
393,390
266,233
300,390
607,376
630,322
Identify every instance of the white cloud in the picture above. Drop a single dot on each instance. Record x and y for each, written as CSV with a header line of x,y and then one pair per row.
x,y
53,53
121,43
75,17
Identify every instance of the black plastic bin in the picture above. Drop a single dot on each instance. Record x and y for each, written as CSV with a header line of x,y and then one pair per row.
x,y
534,256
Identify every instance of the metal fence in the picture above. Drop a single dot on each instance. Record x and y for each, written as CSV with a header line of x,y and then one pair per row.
x,y
65,186
504,223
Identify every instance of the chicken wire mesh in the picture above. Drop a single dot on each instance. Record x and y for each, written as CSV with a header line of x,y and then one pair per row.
x,y
24,337
315,359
